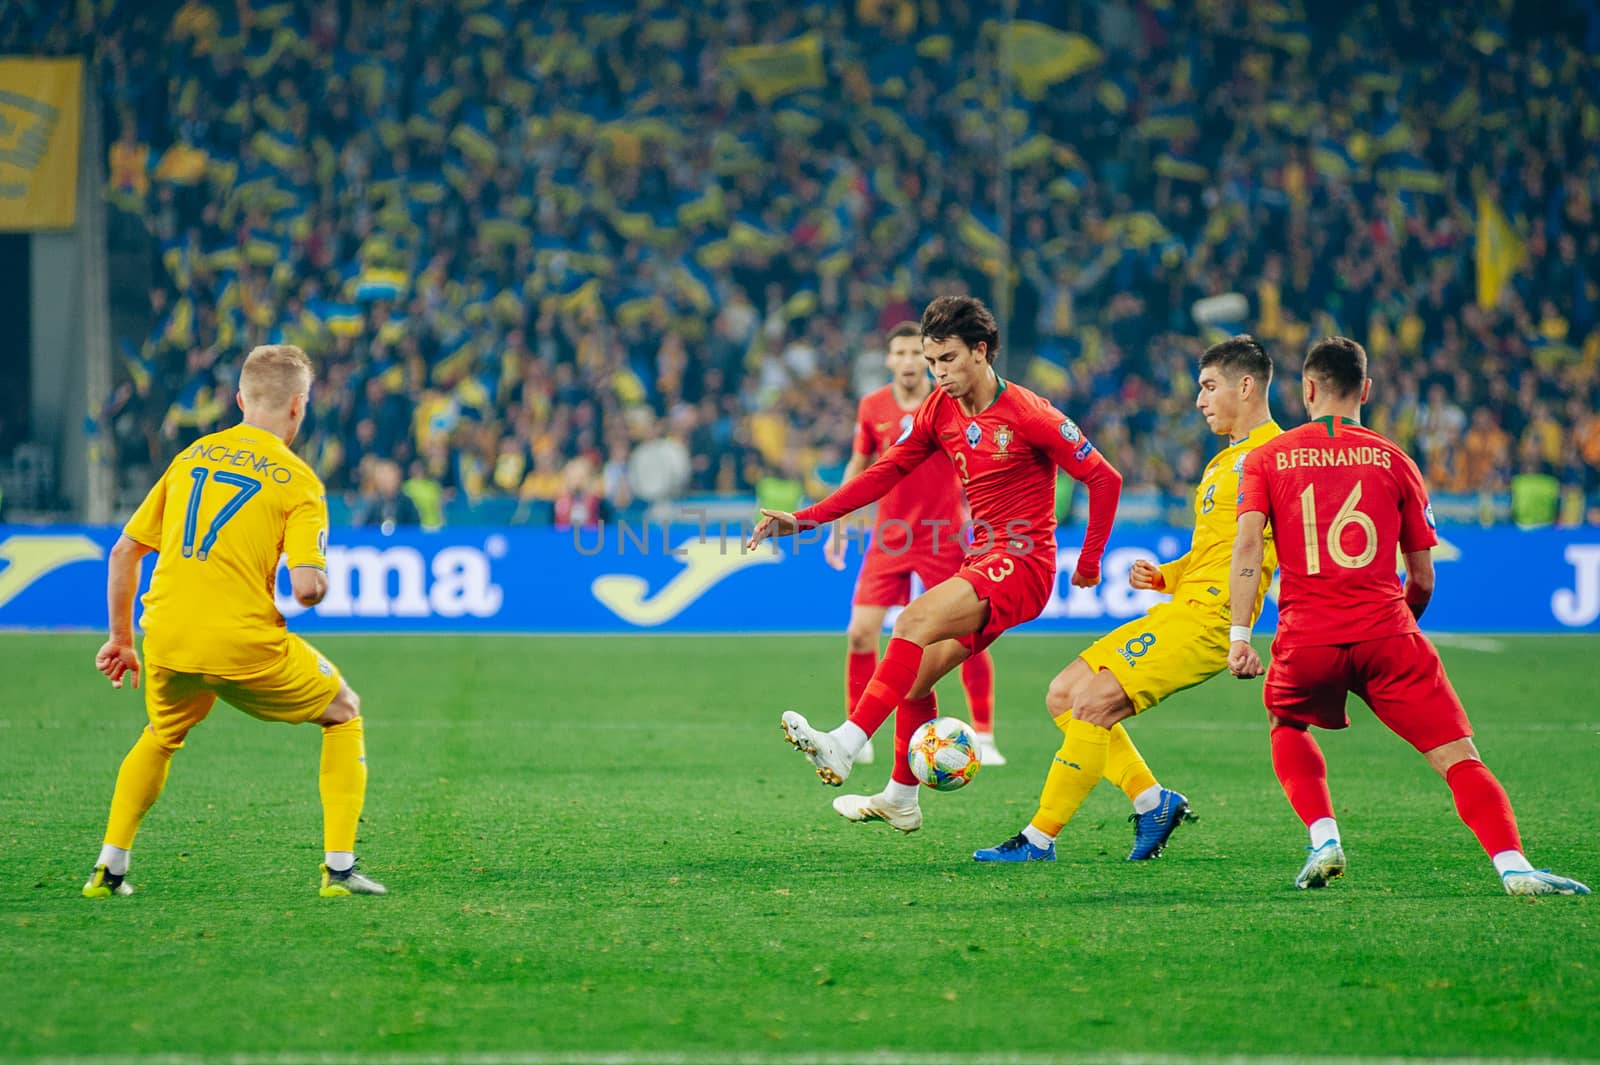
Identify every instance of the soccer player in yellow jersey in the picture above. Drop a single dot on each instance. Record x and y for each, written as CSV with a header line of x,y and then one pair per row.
x,y
220,517
1175,646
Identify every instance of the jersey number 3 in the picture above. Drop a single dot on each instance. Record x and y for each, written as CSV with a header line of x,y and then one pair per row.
x,y
1347,517
244,487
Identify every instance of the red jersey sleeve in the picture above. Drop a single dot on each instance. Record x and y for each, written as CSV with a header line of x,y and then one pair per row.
x,y
914,446
1416,513
863,444
1253,494
1059,437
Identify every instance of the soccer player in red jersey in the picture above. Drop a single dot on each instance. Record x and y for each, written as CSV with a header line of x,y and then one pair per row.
x,y
1005,443
917,532
1341,499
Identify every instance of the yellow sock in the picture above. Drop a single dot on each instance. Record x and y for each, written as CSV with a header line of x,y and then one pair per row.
x,y
1063,721
1125,766
343,783
139,783
1078,767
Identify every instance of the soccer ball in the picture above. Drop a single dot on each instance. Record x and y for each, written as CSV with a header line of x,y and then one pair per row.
x,y
944,754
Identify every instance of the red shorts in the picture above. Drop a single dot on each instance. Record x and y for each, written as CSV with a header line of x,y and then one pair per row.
x,y
885,578
1016,587
1400,677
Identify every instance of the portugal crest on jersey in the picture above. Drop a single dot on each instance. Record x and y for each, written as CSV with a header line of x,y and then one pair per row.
x,y
1002,439
1070,431
974,434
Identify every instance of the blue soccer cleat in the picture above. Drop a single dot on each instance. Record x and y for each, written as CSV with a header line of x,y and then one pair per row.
x,y
1016,849
1152,830
1323,867
1540,882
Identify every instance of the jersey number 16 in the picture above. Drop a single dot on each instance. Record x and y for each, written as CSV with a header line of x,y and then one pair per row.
x,y
1346,517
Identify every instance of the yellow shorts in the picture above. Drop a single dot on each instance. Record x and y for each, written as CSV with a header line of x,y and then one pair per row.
x,y
295,689
1173,647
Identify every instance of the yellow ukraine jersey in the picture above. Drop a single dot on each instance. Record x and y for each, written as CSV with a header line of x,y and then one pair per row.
x,y
1201,575
221,516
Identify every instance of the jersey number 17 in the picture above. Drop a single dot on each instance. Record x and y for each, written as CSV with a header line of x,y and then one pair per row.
x,y
244,487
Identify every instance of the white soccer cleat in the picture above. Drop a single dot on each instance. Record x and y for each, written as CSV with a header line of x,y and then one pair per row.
x,y
826,753
988,753
907,818
1325,865
865,755
348,882
1535,882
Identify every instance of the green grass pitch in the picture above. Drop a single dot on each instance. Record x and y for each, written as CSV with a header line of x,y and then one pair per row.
x,y
604,845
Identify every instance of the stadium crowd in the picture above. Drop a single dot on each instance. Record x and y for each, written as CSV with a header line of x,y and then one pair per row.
x,y
583,254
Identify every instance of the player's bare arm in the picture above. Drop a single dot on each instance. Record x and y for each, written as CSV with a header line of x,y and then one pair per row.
x,y
1244,579
1146,577
1419,581
118,656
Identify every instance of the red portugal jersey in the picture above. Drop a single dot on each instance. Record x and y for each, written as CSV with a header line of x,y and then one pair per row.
x,y
1341,500
930,493
1005,458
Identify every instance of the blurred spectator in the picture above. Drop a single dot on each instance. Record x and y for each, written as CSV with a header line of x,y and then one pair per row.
x,y
1535,495
426,494
382,503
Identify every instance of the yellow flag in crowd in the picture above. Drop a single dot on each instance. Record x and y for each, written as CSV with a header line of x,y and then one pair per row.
x,y
1042,55
769,71
1498,252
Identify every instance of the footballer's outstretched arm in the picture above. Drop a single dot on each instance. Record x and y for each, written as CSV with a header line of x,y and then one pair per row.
x,y
855,493
1419,581
117,655
1244,580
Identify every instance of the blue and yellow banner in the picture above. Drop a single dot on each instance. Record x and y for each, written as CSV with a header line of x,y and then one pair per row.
x,y
40,104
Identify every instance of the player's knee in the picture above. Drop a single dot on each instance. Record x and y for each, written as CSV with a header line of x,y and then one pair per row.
x,y
346,706
1103,702
912,625
861,639
1446,757
1058,699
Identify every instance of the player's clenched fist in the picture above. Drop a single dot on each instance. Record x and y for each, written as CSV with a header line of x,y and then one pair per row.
x,y
117,659
1243,661
1145,577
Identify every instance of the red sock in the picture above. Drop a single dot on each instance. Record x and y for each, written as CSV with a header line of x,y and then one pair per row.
x,y
896,673
1483,805
912,715
1302,771
977,676
857,673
